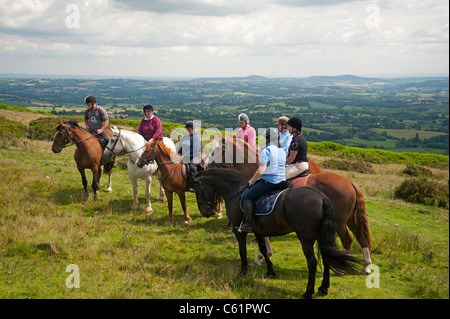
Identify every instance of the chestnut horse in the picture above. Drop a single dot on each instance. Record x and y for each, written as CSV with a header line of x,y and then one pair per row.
x,y
346,197
171,173
88,154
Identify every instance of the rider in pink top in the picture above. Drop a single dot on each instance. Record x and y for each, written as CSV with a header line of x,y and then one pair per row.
x,y
246,132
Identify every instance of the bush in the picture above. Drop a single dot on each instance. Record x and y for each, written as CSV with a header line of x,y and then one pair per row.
x,y
424,191
347,165
416,171
11,129
43,128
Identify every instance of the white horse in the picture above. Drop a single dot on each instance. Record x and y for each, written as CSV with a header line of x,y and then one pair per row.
x,y
133,144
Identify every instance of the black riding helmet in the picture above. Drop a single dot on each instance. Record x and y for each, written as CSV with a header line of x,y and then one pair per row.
x,y
271,134
296,123
147,107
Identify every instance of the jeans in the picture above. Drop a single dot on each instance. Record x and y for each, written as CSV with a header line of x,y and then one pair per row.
x,y
259,188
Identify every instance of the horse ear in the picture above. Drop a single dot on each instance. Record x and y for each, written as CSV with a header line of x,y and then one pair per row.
x,y
61,121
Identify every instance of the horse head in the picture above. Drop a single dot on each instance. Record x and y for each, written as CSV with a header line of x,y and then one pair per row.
x,y
113,147
205,198
149,154
62,137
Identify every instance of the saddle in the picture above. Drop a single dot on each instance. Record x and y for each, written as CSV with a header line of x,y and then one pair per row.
x,y
265,204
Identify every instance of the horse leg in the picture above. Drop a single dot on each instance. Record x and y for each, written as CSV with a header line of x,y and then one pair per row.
x,y
169,196
263,249
84,181
308,251
363,242
260,256
161,190
187,218
134,184
108,168
242,242
344,235
218,207
323,289
148,184
96,173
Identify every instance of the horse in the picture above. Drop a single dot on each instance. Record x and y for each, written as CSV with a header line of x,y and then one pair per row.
x,y
133,144
346,197
238,154
88,154
171,174
305,211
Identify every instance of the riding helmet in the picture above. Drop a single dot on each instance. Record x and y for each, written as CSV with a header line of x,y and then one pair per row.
x,y
243,117
90,99
296,123
271,134
147,107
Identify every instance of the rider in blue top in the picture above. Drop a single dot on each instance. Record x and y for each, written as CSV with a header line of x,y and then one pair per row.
x,y
269,176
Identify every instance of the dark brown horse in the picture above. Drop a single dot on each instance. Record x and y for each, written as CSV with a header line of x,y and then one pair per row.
x,y
88,152
304,210
171,174
346,197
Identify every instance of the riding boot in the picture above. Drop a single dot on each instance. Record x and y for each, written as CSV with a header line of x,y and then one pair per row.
x,y
246,226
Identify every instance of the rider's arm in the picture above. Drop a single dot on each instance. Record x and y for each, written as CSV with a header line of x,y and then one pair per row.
x,y
259,172
291,158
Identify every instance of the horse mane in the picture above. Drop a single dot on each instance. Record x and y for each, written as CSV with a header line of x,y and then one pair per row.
x,y
72,123
165,150
244,143
232,172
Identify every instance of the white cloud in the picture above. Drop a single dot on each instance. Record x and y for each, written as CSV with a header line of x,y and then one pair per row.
x,y
269,37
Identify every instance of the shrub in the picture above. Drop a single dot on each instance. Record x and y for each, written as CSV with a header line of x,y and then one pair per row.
x,y
11,129
347,165
416,171
424,191
43,128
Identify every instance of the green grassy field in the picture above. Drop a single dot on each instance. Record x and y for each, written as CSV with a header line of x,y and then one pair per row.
x,y
45,226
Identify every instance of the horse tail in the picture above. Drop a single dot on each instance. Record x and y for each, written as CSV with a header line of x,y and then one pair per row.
x,y
361,221
338,260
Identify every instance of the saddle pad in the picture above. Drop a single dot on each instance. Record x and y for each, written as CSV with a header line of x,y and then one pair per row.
x,y
299,181
265,204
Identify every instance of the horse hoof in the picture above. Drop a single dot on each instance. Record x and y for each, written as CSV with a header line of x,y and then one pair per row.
x,y
219,216
187,222
271,275
160,200
321,292
109,190
149,211
257,262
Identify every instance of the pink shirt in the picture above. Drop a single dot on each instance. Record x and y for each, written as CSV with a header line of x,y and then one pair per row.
x,y
151,128
248,134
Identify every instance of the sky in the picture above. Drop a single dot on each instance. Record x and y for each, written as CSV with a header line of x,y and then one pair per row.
x,y
224,38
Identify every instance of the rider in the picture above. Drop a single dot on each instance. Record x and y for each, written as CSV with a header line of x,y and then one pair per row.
x,y
246,132
285,136
95,118
150,126
190,148
270,176
297,160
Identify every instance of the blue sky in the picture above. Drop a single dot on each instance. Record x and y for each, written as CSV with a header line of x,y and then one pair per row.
x,y
207,38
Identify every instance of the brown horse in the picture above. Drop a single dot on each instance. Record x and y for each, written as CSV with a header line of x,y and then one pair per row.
x,y
171,174
346,197
232,152
88,153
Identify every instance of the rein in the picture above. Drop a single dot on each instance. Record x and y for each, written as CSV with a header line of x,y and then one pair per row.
x,y
67,139
111,149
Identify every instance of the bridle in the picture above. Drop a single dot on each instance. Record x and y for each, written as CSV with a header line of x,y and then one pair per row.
x,y
209,204
68,139
111,149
